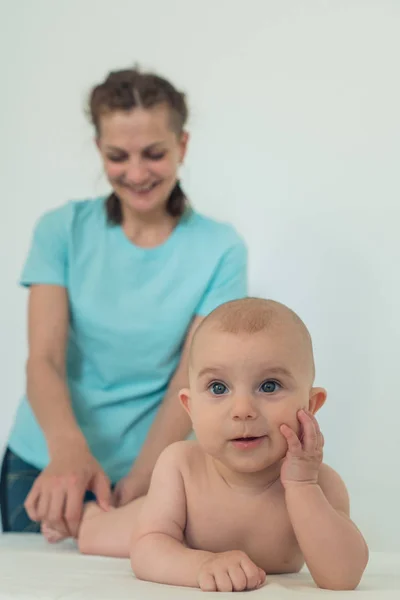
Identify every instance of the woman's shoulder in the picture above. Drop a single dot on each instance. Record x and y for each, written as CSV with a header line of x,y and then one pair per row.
x,y
74,212
210,230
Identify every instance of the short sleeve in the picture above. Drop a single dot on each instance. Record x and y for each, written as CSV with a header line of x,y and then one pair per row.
x,y
47,259
229,281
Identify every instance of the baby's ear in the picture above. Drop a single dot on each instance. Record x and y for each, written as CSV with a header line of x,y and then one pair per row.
x,y
317,399
184,397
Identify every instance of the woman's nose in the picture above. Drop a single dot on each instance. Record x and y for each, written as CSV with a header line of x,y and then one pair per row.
x,y
136,173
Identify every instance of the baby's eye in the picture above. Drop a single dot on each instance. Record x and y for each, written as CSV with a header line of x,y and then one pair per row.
x,y
218,389
270,386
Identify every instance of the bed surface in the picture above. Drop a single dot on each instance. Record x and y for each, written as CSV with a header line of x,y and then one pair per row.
x,y
31,568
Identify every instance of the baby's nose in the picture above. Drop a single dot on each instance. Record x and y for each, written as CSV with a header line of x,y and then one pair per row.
x,y
243,409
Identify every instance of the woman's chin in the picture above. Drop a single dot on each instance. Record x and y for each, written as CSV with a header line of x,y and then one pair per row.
x,y
142,204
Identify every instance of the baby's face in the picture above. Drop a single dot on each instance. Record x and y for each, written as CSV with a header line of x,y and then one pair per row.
x,y
243,387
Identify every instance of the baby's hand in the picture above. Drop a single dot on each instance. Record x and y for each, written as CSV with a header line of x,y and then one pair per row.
x,y
231,571
303,458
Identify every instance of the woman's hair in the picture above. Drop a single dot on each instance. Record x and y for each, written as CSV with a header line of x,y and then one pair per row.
x,y
128,89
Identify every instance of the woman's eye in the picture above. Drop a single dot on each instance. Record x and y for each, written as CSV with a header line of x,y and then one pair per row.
x,y
156,157
117,159
269,387
218,389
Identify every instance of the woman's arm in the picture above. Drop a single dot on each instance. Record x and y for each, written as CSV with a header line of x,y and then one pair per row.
x,y
46,383
57,494
171,424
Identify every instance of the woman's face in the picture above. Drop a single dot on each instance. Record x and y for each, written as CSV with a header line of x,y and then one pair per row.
x,y
141,155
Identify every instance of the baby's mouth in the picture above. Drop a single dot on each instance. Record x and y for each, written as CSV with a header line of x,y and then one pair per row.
x,y
248,442
248,437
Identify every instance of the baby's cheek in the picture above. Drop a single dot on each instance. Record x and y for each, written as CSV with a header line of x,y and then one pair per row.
x,y
290,418
206,435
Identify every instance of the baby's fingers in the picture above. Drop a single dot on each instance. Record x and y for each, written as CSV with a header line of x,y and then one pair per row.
x,y
223,581
253,574
238,578
207,582
319,434
309,430
262,577
293,442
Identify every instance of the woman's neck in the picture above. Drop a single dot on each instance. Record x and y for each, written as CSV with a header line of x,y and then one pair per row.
x,y
148,230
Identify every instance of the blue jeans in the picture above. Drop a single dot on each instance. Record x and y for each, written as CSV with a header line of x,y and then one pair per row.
x,y
17,478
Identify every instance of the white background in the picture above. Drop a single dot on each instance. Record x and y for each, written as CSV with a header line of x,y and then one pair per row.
x,y
295,139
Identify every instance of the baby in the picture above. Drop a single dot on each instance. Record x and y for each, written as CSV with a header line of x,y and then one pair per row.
x,y
251,496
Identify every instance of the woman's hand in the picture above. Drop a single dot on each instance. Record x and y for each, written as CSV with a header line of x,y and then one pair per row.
x,y
130,487
57,495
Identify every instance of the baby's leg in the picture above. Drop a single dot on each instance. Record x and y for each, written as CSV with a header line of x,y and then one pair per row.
x,y
104,533
109,533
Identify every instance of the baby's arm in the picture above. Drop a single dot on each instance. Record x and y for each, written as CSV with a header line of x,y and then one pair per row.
x,y
318,507
334,549
158,551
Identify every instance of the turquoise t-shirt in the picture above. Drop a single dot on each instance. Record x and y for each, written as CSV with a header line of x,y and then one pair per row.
x,y
130,309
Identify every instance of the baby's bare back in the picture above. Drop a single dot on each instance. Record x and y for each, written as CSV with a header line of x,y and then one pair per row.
x,y
220,518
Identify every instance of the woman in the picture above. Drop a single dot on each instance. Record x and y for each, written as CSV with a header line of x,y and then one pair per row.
x,y
117,287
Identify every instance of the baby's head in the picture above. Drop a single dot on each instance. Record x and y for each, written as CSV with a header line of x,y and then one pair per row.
x,y
251,370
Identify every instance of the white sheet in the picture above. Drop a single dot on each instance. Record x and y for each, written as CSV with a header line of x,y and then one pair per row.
x,y
32,569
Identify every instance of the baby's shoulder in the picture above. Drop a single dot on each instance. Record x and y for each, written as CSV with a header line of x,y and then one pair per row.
x,y
333,488
182,455
327,475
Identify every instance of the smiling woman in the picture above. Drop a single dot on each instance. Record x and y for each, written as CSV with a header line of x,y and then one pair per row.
x,y
139,121
116,293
